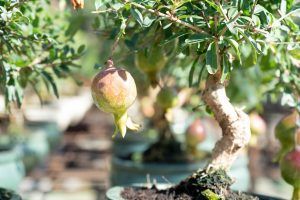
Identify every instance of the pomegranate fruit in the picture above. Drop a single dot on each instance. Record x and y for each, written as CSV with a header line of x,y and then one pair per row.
x,y
167,98
151,61
114,91
290,170
195,133
297,137
285,133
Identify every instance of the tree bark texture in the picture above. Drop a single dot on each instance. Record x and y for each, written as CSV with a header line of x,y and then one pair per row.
x,y
235,124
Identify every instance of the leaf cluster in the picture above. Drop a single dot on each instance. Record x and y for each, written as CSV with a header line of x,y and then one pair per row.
x,y
217,37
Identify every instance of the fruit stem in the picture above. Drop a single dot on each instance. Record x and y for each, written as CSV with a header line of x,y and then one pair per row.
x,y
109,63
296,194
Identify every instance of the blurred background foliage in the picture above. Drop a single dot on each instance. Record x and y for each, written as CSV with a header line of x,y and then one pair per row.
x,y
34,52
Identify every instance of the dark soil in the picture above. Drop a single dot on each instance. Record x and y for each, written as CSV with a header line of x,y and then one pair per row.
x,y
167,151
8,195
200,186
170,151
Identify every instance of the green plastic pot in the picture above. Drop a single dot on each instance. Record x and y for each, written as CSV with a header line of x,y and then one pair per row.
x,y
6,194
50,129
11,168
35,149
127,172
114,193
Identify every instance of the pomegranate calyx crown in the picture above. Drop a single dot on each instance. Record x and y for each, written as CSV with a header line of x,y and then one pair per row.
x,y
109,63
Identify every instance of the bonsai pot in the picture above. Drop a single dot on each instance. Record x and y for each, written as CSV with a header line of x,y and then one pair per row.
x,y
11,168
35,149
83,102
50,129
6,194
114,193
133,142
52,112
126,172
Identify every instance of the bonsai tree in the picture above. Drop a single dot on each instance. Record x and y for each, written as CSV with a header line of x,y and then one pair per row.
x,y
216,38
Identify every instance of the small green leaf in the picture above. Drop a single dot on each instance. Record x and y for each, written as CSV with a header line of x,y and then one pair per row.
x,y
98,4
18,94
137,15
196,38
52,54
191,74
81,49
212,4
201,73
148,21
249,56
96,23
98,66
50,80
295,53
173,37
167,26
211,58
235,46
251,41
225,68
288,100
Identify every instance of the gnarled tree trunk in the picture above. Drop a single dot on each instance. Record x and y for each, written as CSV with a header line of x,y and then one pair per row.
x,y
235,124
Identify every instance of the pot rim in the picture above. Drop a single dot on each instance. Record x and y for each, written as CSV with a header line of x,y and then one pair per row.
x,y
114,193
12,154
154,166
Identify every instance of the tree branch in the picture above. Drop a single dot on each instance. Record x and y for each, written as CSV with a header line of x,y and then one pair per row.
x,y
169,17
253,7
284,16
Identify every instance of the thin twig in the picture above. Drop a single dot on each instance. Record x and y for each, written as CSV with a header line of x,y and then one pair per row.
x,y
284,16
118,38
253,7
169,17
222,11
205,19
103,11
115,45
287,43
216,21
40,60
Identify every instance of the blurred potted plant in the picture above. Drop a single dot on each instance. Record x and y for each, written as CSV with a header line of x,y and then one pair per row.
x,y
11,165
33,52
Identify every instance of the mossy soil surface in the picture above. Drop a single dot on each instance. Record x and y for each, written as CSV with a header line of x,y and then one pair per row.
x,y
200,186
